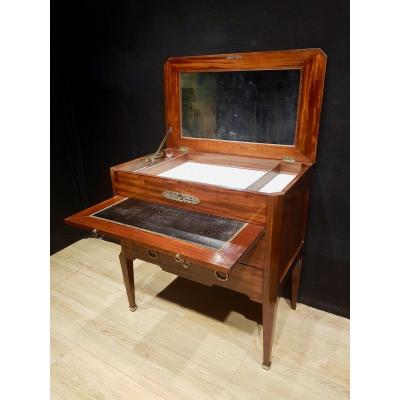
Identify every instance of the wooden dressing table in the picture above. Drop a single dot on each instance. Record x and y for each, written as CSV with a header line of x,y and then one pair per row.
x,y
226,203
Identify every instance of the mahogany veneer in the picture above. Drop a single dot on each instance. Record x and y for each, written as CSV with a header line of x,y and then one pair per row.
x,y
265,245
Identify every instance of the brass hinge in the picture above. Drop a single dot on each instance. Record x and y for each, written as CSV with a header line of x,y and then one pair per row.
x,y
234,57
159,152
289,160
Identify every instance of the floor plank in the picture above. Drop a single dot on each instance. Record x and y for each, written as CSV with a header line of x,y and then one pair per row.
x,y
184,341
59,346
81,375
175,377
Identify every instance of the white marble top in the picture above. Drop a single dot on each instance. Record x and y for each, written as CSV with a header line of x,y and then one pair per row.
x,y
278,183
232,177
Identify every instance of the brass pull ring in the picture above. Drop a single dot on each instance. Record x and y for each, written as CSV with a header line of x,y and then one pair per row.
x,y
96,234
222,276
180,260
152,253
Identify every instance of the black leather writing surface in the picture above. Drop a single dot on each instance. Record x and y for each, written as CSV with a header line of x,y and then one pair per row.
x,y
206,230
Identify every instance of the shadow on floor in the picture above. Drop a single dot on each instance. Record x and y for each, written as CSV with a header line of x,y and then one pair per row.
x,y
215,302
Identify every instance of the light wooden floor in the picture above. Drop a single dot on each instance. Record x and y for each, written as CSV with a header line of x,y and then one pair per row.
x,y
185,341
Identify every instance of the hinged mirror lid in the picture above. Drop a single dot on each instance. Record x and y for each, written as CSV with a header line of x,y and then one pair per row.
x,y
264,104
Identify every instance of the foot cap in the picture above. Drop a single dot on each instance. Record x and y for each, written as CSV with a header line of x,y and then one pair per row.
x,y
133,308
267,366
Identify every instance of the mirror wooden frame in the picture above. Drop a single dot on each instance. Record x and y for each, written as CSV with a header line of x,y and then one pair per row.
x,y
311,62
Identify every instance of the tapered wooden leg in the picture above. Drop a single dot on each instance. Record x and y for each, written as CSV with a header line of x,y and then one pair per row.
x,y
271,279
296,273
269,315
127,273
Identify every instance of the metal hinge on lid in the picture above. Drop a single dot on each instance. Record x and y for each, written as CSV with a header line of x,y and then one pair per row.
x,y
289,160
233,57
159,153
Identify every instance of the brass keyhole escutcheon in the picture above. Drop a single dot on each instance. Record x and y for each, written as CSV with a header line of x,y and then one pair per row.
x,y
153,253
222,276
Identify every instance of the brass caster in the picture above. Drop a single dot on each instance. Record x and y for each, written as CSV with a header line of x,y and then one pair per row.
x,y
267,366
133,308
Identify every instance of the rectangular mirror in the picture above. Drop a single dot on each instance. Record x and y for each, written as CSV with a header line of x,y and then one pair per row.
x,y
244,106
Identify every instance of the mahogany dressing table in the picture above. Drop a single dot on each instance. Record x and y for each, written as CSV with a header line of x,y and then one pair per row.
x,y
226,202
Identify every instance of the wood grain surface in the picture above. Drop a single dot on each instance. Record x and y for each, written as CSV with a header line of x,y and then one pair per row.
x,y
311,62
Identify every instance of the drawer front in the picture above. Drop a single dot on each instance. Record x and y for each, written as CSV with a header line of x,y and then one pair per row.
x,y
158,256
235,204
242,278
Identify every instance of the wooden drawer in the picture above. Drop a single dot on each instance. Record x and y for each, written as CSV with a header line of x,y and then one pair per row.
x,y
230,203
241,278
255,257
178,235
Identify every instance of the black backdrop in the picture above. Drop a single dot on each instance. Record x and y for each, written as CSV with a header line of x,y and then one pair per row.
x,y
107,104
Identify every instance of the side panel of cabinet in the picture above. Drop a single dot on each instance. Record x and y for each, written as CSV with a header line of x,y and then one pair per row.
x,y
294,222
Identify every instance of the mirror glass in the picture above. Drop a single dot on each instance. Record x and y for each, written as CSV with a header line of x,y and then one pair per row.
x,y
245,106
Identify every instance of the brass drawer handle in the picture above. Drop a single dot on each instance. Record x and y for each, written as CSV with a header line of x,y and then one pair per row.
x,y
180,260
152,253
222,276
181,197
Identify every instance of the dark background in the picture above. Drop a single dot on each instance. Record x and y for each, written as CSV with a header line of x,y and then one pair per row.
x,y
107,104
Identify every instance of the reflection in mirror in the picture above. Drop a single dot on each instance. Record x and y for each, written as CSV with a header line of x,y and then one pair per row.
x,y
246,106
